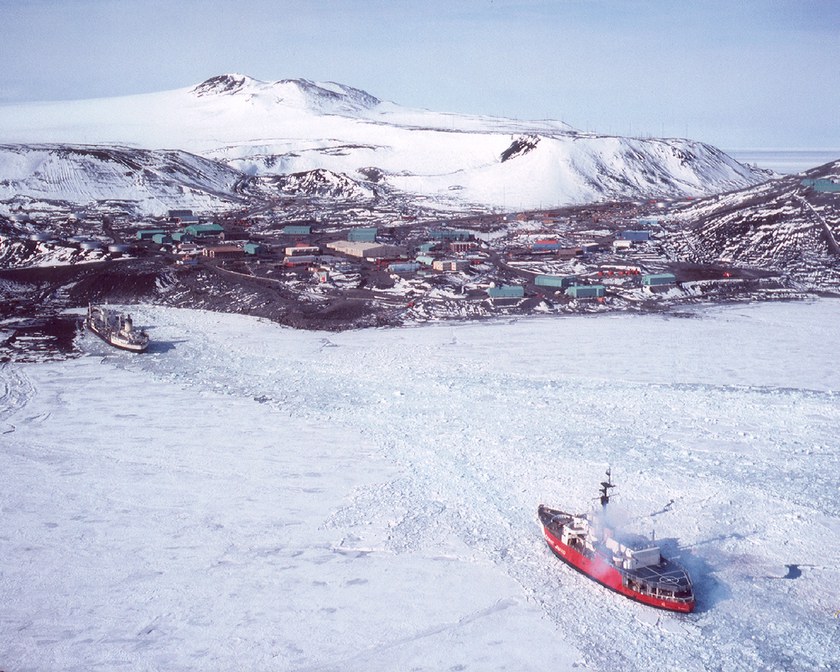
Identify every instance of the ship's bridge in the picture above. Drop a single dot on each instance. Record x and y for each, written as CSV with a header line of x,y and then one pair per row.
x,y
631,556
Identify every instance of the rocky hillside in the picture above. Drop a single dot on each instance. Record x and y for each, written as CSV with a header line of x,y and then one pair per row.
x,y
790,225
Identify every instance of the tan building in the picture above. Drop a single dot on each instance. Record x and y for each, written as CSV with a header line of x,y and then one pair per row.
x,y
450,264
364,250
223,251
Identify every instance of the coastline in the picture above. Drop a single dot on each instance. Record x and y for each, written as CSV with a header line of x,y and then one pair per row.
x,y
785,161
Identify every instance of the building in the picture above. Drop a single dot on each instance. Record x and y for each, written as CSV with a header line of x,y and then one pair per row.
x,y
545,246
367,250
203,230
622,245
351,248
362,234
223,252
635,236
462,245
300,260
386,252
161,239
570,252
234,233
659,279
558,281
302,249
827,186
148,234
183,217
451,264
404,267
253,248
586,291
506,292
297,230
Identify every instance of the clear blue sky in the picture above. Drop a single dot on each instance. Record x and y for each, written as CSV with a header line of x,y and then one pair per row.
x,y
736,73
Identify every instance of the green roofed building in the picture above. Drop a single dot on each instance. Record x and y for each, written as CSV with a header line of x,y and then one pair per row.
x,y
203,230
506,292
659,279
362,235
586,291
297,230
823,185
559,281
146,234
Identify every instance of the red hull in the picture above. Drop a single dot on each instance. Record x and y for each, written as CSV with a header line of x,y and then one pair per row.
x,y
608,576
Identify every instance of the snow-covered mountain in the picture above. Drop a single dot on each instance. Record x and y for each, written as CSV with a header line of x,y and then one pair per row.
x,y
146,180
447,160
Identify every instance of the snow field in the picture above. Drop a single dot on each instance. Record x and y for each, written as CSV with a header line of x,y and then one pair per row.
x,y
253,497
449,159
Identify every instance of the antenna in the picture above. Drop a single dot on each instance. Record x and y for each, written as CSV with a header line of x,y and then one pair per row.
x,y
605,488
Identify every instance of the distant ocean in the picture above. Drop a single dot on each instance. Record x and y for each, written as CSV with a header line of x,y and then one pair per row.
x,y
787,161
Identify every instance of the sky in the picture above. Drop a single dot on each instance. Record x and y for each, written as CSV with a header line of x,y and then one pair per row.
x,y
751,74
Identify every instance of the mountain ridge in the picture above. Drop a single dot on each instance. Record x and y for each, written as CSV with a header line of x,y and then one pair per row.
x,y
449,161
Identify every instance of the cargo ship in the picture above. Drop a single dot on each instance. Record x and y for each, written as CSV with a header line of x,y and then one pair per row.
x,y
630,565
116,329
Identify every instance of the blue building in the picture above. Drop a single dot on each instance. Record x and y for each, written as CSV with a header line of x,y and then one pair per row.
x,y
635,236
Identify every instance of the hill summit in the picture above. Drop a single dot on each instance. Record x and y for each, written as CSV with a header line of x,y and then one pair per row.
x,y
449,161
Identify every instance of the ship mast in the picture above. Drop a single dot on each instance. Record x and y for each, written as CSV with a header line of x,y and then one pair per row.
x,y
605,489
